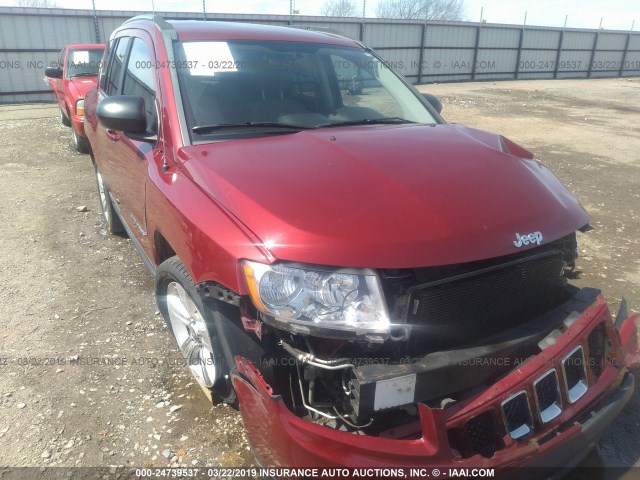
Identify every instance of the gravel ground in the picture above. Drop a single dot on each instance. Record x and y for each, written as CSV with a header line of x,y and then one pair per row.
x,y
89,375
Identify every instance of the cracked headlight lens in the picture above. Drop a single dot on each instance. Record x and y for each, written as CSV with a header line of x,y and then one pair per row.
x,y
308,300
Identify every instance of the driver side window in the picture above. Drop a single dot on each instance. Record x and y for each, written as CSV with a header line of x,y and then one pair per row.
x,y
138,80
114,69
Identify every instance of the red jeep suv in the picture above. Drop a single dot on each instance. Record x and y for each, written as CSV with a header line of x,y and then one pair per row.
x,y
371,285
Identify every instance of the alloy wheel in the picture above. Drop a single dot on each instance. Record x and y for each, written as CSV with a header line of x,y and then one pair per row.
x,y
191,333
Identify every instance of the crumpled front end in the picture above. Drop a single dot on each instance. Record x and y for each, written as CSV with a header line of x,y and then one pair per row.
x,y
545,409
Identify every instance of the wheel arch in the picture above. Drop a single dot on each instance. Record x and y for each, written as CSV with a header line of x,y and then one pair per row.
x,y
162,249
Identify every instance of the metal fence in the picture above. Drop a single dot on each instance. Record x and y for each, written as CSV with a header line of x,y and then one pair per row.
x,y
30,39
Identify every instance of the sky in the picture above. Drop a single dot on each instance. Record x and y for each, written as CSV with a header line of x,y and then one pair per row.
x,y
615,14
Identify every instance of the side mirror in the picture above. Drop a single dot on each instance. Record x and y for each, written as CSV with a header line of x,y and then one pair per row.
x,y
53,72
434,101
125,113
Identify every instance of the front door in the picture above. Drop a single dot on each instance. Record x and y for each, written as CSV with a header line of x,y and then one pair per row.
x,y
131,157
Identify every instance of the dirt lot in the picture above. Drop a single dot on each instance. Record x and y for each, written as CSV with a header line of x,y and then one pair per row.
x,y
72,297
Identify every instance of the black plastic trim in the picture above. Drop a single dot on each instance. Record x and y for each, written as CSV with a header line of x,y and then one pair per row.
x,y
218,292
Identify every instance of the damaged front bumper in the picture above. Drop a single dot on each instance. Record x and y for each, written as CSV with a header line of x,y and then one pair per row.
x,y
548,411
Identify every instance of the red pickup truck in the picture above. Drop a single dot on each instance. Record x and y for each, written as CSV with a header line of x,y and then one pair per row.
x,y
76,74
373,286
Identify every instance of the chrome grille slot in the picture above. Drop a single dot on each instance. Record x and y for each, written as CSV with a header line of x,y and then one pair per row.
x,y
575,374
547,394
516,411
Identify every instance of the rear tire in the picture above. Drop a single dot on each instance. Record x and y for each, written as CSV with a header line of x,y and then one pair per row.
x,y
194,325
112,220
64,119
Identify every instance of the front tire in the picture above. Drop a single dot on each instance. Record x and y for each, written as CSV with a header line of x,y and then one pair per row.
x,y
79,142
112,220
64,119
192,322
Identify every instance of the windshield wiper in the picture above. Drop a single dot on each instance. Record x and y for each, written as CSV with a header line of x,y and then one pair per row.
x,y
368,121
83,74
200,129
230,126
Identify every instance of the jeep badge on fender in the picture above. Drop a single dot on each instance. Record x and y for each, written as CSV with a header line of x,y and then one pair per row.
x,y
533,237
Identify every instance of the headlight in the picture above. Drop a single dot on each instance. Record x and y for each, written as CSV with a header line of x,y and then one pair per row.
x,y
309,300
80,107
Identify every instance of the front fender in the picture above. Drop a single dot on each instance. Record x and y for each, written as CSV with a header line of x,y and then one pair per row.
x,y
204,236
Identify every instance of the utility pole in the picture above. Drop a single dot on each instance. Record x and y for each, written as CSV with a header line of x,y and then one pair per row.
x,y
362,24
95,21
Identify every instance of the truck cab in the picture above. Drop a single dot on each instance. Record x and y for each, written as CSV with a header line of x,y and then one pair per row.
x,y
75,74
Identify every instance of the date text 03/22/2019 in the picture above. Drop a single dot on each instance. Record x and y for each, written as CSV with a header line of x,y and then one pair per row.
x,y
345,473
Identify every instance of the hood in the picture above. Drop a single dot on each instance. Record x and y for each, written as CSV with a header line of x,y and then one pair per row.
x,y
79,86
385,196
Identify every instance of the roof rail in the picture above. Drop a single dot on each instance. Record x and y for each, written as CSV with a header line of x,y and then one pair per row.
x,y
327,31
159,21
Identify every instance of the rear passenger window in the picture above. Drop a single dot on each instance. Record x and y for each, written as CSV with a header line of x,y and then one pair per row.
x,y
114,73
138,80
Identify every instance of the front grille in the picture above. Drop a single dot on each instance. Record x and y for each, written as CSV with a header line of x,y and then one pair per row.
x,y
598,350
547,393
575,374
479,435
521,414
482,433
517,415
465,308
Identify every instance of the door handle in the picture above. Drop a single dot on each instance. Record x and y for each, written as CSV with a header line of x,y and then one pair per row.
x,y
113,135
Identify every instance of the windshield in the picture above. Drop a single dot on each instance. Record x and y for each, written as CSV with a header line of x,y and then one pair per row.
x,y
84,62
262,87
